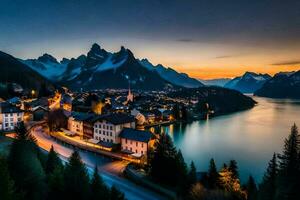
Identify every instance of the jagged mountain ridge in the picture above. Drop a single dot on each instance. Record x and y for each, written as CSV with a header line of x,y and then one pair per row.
x,y
248,83
102,69
48,66
14,71
282,85
171,75
113,70
215,82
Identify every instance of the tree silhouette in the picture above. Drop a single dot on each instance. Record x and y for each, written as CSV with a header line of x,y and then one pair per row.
x,y
268,187
76,178
288,179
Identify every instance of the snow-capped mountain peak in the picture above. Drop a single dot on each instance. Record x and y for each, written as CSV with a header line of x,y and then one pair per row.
x,y
48,66
100,68
171,75
47,58
248,83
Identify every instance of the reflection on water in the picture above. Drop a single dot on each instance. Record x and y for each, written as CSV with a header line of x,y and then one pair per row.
x,y
250,137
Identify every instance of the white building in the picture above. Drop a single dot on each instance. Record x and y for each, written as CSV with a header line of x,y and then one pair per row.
x,y
10,116
135,142
108,127
75,122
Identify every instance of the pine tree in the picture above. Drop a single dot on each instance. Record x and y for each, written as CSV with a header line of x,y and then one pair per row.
x,y
267,188
192,175
56,184
234,168
23,135
230,184
213,175
98,189
25,167
289,168
115,194
52,162
163,161
251,189
181,173
7,191
76,178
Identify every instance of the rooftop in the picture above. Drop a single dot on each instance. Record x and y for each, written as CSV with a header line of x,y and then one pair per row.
x,y
115,118
136,135
8,108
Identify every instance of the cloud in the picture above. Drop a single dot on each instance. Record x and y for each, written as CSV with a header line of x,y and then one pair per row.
x,y
225,56
292,62
186,40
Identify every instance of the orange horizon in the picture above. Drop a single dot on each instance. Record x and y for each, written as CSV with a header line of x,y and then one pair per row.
x,y
217,73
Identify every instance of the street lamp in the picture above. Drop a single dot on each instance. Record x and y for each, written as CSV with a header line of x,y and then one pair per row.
x,y
32,93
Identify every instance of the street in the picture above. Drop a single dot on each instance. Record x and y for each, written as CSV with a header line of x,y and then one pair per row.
x,y
109,169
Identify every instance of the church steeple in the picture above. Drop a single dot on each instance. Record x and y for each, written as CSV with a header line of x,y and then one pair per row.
x,y
129,95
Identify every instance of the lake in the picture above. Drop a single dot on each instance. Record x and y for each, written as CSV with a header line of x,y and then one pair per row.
x,y
250,137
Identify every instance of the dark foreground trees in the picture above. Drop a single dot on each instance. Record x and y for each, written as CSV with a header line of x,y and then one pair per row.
x,y
6,184
282,178
167,166
27,173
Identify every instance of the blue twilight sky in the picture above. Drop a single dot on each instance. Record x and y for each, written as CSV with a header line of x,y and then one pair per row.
x,y
204,38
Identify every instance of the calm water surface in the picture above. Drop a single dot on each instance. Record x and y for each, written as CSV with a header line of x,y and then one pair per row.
x,y
250,137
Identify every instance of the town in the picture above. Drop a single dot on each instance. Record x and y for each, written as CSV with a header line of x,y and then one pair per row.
x,y
114,123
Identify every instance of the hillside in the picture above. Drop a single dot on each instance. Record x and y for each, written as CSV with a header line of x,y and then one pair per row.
x,y
248,83
13,71
282,85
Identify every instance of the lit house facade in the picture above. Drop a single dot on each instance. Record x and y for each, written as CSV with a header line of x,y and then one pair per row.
x,y
10,116
136,141
76,123
108,127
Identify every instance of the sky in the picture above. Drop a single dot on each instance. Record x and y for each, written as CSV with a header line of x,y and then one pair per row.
x,y
204,38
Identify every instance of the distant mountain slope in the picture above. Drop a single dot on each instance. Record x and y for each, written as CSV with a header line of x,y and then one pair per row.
x,y
282,85
216,82
220,100
248,83
48,66
171,75
14,71
101,69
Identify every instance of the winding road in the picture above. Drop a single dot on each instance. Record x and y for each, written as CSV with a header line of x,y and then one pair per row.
x,y
109,169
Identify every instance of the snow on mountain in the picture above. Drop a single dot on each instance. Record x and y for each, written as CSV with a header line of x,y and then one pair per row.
x,y
98,66
171,75
248,83
282,85
47,66
110,63
215,82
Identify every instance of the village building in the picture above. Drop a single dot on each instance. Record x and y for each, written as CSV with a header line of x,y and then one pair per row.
x,y
40,113
66,102
108,127
76,122
10,116
129,96
136,142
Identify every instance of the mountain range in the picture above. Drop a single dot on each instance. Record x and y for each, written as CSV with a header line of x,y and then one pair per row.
x,y
248,83
215,82
12,71
101,69
282,85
